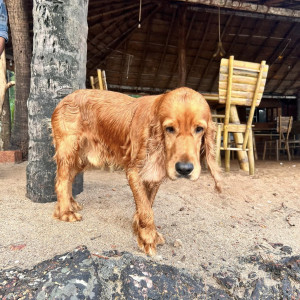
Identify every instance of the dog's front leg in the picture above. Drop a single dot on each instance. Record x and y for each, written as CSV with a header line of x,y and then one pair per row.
x,y
151,190
143,221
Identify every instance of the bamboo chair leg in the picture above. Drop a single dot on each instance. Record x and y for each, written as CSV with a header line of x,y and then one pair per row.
x,y
227,160
254,148
250,154
265,149
218,145
288,150
277,149
292,152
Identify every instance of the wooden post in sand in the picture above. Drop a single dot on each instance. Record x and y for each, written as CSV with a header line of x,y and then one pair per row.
x,y
239,139
4,85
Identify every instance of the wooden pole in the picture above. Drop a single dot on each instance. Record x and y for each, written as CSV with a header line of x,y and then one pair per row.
x,y
92,81
104,80
252,109
4,85
239,139
246,6
181,46
100,79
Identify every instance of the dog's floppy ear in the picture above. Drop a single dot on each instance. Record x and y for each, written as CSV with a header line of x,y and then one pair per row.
x,y
209,148
146,150
145,128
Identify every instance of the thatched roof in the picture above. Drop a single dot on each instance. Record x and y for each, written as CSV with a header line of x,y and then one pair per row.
x,y
146,58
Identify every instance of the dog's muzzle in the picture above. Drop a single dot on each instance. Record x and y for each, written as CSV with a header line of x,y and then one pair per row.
x,y
184,168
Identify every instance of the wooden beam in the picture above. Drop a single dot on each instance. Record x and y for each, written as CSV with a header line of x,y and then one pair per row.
x,y
181,47
259,50
214,97
244,53
202,76
115,20
287,54
111,26
162,58
295,66
228,51
271,2
125,57
273,57
122,8
145,52
247,6
244,14
293,82
201,45
175,65
115,44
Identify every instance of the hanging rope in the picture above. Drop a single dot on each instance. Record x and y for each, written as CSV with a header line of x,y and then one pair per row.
x,y
140,14
220,50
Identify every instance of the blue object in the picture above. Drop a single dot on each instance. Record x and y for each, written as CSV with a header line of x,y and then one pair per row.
x,y
3,21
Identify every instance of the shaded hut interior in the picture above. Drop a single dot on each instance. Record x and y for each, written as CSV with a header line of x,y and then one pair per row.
x,y
146,59
140,45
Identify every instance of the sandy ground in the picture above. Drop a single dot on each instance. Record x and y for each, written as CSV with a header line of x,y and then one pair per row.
x,y
214,229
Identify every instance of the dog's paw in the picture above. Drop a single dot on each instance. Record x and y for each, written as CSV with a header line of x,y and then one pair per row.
x,y
147,236
148,240
75,205
160,239
68,216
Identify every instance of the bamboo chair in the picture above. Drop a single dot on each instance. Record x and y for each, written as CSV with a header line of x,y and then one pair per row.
x,y
293,144
294,141
99,82
240,83
284,127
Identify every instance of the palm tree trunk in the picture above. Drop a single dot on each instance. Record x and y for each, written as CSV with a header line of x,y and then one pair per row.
x,y
5,125
58,68
19,26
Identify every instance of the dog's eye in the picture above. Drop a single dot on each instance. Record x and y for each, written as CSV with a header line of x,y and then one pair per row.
x,y
198,129
170,129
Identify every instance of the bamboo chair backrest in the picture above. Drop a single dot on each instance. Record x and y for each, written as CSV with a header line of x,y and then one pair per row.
x,y
284,127
243,77
241,83
99,82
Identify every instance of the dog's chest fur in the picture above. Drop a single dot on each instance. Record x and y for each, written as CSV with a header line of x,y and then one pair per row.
x,y
154,169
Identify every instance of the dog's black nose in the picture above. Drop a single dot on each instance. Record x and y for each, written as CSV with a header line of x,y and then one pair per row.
x,y
184,168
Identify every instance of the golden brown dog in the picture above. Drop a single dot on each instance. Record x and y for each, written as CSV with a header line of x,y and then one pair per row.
x,y
152,138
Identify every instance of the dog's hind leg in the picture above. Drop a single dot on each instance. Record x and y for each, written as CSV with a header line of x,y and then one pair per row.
x,y
66,207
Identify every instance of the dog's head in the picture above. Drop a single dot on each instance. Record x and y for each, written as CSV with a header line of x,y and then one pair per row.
x,y
169,133
187,129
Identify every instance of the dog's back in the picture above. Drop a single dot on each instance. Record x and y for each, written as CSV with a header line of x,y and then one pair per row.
x,y
89,126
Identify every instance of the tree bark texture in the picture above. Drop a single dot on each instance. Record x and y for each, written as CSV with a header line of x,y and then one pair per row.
x,y
4,85
3,80
19,26
4,105
58,67
5,125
